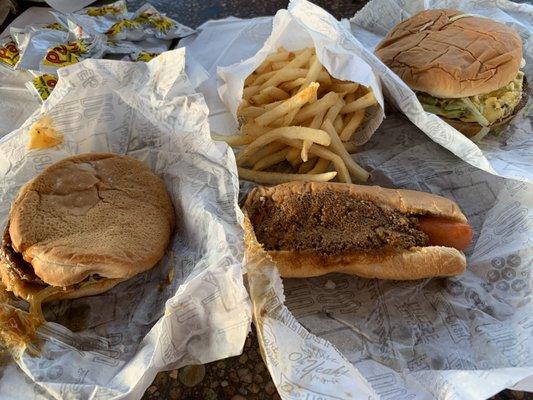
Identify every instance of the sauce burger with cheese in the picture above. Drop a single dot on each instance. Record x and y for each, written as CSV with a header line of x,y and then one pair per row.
x,y
82,226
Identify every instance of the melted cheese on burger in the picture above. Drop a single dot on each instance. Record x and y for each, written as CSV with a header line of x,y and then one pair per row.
x,y
484,109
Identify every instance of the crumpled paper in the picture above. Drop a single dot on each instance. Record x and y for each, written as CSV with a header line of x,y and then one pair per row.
x,y
341,337
465,337
192,306
36,44
69,5
16,102
508,153
305,25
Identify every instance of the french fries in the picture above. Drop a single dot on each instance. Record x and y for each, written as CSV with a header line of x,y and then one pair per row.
x,y
297,120
298,100
292,132
273,178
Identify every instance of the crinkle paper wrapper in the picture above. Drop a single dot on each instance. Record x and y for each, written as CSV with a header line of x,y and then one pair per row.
x,y
344,337
508,153
192,307
305,25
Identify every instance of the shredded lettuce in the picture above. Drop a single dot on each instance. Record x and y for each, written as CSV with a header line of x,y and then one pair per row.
x,y
484,109
476,114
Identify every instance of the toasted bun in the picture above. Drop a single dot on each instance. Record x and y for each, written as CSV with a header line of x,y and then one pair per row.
x,y
405,201
450,59
27,291
471,129
95,213
415,263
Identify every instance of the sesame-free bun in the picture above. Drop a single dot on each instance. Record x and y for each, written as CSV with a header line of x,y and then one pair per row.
x,y
402,200
449,58
95,213
414,263
397,264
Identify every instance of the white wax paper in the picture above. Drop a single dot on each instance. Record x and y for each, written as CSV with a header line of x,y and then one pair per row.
x,y
69,5
467,337
306,25
336,336
16,102
111,346
508,153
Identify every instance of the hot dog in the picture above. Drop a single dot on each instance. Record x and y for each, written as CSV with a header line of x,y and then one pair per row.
x,y
311,228
445,232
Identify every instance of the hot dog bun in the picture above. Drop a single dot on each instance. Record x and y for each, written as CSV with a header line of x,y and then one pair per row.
x,y
412,264
387,263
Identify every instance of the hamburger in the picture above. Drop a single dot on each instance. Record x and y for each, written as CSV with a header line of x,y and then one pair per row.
x,y
83,225
311,229
464,68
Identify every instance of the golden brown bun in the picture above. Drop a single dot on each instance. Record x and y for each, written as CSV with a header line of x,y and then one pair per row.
x,y
94,213
470,129
405,201
26,291
415,263
452,59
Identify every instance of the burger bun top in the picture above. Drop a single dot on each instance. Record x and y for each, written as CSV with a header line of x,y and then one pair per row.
x,y
95,213
450,54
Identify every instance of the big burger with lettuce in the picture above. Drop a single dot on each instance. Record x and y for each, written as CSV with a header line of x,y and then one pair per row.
x,y
463,67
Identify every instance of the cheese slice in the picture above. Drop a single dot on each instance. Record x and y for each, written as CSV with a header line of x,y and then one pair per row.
x,y
43,135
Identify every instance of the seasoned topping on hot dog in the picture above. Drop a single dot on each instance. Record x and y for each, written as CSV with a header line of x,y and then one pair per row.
x,y
331,223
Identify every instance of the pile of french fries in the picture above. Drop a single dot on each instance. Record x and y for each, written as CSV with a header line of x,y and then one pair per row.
x,y
296,122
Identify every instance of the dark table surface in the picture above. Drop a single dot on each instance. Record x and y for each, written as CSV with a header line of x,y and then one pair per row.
x,y
244,376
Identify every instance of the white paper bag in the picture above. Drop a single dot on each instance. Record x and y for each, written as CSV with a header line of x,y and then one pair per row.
x,y
305,25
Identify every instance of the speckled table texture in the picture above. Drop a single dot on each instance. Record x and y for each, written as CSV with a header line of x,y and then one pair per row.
x,y
244,376
236,378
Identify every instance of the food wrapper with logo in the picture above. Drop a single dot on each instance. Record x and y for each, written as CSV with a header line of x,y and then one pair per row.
x,y
22,36
36,44
144,23
19,36
141,55
9,53
344,337
506,153
115,9
159,25
192,307
335,47
150,45
94,20
42,85
467,337
72,52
